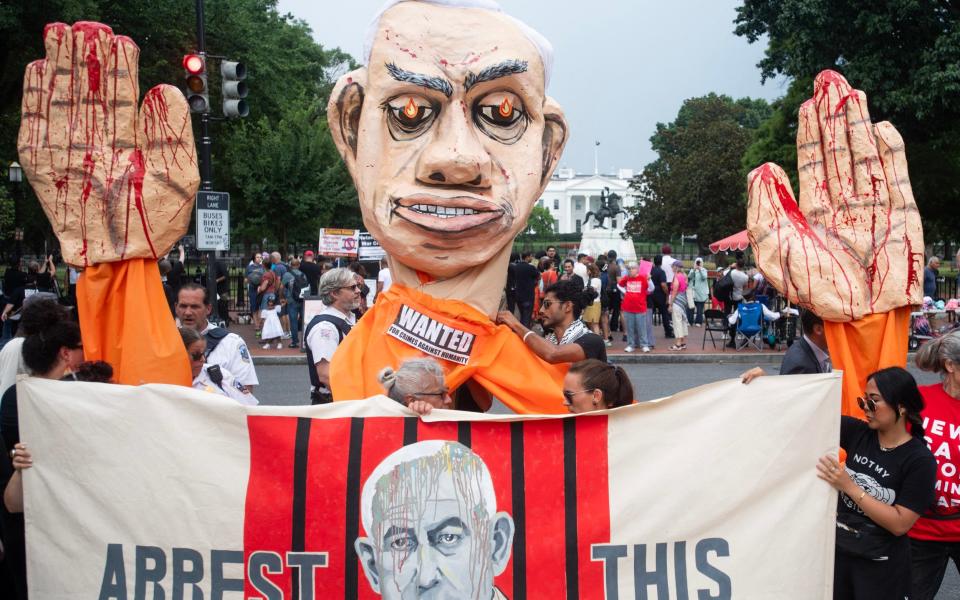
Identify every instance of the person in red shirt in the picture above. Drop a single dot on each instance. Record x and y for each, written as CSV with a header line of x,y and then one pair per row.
x,y
935,537
634,307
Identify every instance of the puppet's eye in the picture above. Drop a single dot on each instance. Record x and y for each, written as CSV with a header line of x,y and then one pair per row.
x,y
409,116
501,116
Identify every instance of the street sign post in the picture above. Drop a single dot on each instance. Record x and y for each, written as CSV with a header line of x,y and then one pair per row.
x,y
213,220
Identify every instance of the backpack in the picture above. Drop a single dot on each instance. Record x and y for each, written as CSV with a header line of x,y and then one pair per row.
x,y
256,275
299,287
723,287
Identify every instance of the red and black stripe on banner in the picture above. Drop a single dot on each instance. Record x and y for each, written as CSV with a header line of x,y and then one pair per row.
x,y
306,475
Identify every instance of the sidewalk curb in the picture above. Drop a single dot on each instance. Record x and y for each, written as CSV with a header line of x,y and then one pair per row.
x,y
754,358
617,359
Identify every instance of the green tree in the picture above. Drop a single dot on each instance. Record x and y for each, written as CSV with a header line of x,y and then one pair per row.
x,y
905,54
696,185
540,224
281,189
290,76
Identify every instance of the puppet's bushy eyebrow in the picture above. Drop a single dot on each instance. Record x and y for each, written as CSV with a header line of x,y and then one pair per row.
x,y
507,67
428,81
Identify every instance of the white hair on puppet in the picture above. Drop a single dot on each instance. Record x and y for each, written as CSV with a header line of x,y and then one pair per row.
x,y
415,453
543,46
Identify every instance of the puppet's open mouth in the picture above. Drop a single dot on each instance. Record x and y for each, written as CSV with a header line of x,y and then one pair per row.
x,y
447,215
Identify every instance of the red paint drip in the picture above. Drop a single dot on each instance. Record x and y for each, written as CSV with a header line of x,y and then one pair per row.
x,y
790,209
135,186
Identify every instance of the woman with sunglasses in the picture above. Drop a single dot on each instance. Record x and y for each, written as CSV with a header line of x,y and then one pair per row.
x,y
212,378
885,485
595,385
935,538
51,352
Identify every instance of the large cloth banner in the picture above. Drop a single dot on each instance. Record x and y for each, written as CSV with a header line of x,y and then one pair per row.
x,y
167,492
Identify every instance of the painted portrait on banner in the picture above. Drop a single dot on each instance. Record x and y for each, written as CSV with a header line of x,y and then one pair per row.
x,y
429,514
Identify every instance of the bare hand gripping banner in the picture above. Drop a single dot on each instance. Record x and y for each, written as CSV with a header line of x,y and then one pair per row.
x,y
362,500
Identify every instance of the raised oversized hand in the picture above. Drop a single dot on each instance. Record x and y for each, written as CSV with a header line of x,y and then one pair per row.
x,y
854,244
115,183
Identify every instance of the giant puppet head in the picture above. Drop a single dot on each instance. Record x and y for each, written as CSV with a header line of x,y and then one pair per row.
x,y
448,132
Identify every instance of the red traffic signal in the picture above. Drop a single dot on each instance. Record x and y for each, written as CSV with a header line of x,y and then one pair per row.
x,y
193,63
195,76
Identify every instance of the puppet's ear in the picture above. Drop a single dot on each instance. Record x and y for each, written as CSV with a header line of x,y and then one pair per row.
x,y
555,134
343,113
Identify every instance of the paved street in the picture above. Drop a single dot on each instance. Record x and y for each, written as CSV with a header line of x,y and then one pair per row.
x,y
284,385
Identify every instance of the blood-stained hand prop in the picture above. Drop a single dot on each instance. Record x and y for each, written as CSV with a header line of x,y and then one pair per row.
x,y
851,249
853,245
117,184
450,139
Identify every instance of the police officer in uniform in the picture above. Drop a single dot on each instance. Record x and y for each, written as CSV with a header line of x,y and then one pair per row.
x,y
340,294
223,348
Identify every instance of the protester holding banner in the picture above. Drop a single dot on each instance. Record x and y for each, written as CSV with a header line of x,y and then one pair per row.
x,y
417,384
49,354
935,538
567,337
886,484
595,385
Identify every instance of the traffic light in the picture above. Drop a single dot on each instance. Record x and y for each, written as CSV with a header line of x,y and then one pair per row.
x,y
234,89
195,72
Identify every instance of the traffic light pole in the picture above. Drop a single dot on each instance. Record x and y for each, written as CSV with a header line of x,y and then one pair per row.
x,y
206,168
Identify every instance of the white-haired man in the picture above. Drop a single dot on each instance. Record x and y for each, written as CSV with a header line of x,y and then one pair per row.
x,y
340,294
432,530
450,139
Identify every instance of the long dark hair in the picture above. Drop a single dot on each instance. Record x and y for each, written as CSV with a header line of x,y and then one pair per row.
x,y
899,390
41,349
609,379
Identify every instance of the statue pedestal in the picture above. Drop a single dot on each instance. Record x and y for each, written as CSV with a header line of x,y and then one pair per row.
x,y
597,241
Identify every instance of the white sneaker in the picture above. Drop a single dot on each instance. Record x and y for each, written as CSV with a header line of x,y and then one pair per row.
x,y
285,336
628,349
279,345
646,348
266,346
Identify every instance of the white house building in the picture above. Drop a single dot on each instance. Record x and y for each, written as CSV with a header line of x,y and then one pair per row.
x,y
570,196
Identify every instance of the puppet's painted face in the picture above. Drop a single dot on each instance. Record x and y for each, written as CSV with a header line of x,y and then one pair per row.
x,y
450,146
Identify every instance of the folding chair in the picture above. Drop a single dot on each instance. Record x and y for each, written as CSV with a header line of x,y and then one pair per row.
x,y
749,326
714,321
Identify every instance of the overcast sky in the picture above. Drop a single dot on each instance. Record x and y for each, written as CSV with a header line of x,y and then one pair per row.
x,y
620,65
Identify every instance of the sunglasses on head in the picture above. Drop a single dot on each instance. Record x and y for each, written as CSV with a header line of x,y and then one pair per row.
x,y
867,404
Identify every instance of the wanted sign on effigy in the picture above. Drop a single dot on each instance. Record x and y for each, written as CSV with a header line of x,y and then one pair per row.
x,y
365,500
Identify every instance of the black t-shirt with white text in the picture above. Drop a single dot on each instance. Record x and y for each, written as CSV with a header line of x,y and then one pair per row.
x,y
903,476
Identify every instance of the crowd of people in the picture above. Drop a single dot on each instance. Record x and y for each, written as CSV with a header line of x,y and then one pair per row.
x,y
628,297
898,509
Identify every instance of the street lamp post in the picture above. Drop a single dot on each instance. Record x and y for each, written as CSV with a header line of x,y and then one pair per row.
x,y
16,176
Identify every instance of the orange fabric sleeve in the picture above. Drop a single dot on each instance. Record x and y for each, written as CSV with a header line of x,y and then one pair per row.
x,y
125,321
498,359
859,348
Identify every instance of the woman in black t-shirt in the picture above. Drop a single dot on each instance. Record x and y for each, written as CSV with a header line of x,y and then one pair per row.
x,y
885,485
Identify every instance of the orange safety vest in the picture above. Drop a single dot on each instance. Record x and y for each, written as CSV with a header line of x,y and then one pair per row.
x,y
405,323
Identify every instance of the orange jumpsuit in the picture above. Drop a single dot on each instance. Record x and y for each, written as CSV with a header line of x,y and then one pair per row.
x,y
405,323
